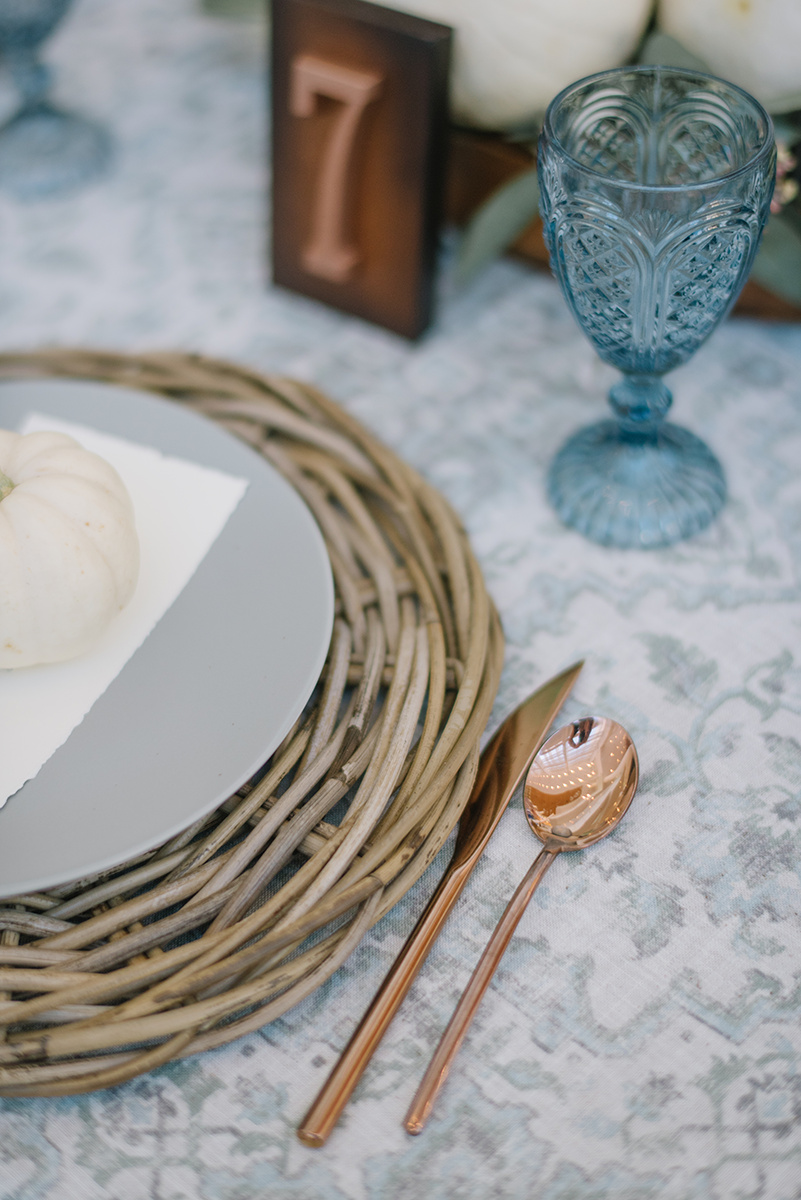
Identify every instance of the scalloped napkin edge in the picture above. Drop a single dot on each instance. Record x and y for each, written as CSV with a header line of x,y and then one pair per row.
x,y
181,509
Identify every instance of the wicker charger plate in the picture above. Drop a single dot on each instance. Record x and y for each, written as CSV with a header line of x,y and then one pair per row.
x,y
229,925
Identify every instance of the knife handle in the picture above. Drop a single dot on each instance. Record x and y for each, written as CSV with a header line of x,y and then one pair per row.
x,y
335,1092
471,997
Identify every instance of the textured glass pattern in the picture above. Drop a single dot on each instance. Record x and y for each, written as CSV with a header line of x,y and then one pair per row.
x,y
655,186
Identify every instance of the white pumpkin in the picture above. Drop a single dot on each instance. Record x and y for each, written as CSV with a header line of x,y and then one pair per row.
x,y
69,552
511,57
755,43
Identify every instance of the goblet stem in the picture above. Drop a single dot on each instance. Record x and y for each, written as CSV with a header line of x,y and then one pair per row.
x,y
44,150
640,403
31,77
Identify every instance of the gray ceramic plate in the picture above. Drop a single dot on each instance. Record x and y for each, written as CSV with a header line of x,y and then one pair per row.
x,y
213,689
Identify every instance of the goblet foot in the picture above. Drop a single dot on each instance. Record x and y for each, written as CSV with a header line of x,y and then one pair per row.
x,y
631,492
44,151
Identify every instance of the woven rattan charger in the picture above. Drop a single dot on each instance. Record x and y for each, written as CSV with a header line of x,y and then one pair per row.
x,y
227,926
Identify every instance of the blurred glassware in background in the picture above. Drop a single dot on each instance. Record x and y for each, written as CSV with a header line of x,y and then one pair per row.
x,y
655,185
44,150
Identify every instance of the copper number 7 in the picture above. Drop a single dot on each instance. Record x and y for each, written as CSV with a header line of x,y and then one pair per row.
x,y
329,252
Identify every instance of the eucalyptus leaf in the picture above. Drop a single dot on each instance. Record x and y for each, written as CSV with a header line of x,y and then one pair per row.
x,y
791,215
777,265
662,50
496,224
788,128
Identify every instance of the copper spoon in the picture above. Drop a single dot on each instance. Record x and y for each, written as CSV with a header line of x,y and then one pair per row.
x,y
578,788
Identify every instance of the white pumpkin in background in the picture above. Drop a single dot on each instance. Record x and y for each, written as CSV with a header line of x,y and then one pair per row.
x,y
69,552
754,43
511,57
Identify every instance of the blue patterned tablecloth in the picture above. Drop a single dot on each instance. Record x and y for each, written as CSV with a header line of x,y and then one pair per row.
x,y
641,1040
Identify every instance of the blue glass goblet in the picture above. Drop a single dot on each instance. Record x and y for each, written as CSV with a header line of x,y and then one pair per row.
x,y
43,149
655,185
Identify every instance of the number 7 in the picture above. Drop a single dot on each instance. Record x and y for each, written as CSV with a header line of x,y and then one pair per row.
x,y
329,252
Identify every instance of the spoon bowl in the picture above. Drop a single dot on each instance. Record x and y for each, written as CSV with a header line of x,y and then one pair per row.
x,y
580,784
578,788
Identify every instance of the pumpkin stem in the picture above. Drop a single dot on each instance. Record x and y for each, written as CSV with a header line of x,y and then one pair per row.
x,y
6,485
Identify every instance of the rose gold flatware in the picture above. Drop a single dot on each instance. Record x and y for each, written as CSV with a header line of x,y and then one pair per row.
x,y
580,785
502,766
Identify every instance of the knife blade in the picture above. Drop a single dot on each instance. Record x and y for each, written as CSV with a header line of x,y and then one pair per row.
x,y
503,763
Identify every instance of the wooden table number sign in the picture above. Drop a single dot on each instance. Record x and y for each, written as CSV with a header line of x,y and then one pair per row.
x,y
360,124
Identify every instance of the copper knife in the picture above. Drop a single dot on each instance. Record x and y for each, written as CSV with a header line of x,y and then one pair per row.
x,y
503,763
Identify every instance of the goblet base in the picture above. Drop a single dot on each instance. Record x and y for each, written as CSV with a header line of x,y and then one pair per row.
x,y
636,492
44,151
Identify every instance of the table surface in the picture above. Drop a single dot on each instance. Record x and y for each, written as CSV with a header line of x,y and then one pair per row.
x,y
641,1038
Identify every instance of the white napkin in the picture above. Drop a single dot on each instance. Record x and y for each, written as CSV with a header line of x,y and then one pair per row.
x,y
181,508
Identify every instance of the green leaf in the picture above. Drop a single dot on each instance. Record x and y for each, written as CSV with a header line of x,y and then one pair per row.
x,y
660,49
787,128
497,223
778,262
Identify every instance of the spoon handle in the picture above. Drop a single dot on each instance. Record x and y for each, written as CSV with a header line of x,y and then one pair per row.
x,y
465,1010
